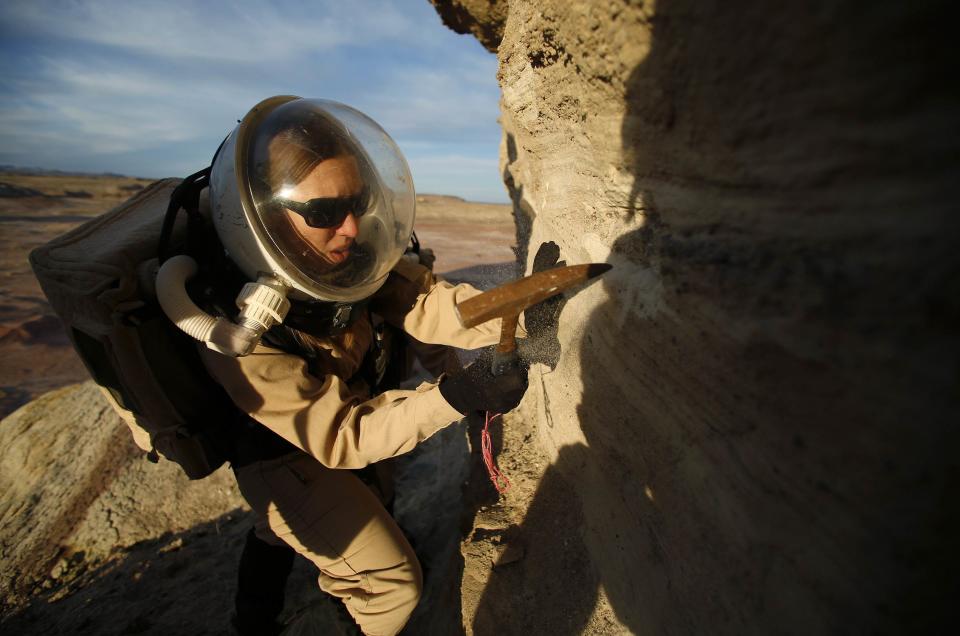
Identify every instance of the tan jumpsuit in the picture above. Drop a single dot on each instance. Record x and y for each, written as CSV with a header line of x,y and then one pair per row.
x,y
327,515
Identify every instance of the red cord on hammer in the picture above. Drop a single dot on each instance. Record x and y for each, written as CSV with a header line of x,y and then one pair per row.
x,y
500,481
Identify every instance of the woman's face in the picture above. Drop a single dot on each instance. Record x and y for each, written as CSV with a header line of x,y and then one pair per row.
x,y
335,177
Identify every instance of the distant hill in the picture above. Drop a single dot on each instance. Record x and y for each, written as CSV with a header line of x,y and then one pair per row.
x,y
10,191
45,172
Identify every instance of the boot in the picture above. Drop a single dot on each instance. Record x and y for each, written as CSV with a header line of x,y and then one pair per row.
x,y
261,582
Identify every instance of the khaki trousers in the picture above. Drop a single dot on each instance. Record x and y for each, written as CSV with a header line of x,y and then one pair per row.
x,y
330,517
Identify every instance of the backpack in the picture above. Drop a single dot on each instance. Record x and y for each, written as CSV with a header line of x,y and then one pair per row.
x,y
99,279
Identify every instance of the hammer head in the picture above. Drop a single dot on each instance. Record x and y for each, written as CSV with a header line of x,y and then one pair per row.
x,y
512,298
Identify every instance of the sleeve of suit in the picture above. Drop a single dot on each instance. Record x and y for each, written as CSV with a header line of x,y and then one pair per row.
x,y
339,424
414,300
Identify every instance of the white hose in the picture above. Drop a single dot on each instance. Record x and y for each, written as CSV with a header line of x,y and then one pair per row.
x,y
176,303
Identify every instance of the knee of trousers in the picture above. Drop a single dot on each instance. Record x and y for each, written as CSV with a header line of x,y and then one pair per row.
x,y
391,596
410,591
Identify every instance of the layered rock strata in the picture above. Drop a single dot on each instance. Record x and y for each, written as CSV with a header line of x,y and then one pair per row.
x,y
755,412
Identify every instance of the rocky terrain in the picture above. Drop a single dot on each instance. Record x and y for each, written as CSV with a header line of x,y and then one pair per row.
x,y
752,425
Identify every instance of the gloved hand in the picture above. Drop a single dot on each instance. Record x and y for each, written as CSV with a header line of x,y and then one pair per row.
x,y
541,319
477,389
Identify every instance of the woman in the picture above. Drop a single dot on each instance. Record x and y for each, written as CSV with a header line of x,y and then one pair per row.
x,y
327,199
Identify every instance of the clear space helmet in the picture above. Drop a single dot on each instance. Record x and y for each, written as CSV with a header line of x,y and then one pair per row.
x,y
315,194
311,200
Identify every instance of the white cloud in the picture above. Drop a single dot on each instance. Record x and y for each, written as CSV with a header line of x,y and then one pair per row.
x,y
100,84
107,82
114,108
438,100
234,32
454,163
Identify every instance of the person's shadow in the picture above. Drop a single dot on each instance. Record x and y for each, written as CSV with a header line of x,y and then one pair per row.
x,y
770,383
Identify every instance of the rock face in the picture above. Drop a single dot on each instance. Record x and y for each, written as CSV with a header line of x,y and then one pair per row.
x,y
77,492
483,19
755,413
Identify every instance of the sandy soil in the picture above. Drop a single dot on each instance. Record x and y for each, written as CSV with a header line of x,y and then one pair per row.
x,y
471,236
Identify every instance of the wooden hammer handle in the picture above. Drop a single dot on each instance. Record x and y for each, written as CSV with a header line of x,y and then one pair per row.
x,y
508,334
505,353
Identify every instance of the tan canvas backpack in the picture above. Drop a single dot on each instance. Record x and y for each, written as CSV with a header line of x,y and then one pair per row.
x,y
99,280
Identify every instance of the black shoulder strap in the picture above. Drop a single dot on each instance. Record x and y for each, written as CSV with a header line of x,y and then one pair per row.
x,y
414,243
185,196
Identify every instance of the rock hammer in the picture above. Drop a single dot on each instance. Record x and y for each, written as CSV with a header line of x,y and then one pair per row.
x,y
508,300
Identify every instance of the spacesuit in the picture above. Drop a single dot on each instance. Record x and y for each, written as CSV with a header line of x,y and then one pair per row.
x,y
313,205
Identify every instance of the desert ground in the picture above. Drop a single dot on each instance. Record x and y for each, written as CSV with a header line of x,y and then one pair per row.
x,y
97,540
34,209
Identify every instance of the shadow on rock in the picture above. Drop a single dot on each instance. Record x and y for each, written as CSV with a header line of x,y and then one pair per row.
x,y
770,385
179,583
543,581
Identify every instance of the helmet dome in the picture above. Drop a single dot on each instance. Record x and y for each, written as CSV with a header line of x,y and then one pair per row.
x,y
315,193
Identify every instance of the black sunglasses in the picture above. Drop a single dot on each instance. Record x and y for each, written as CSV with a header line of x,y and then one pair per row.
x,y
328,212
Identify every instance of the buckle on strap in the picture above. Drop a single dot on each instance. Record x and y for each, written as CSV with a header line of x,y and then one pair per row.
x,y
341,318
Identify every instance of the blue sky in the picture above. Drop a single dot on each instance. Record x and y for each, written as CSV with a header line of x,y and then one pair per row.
x,y
150,88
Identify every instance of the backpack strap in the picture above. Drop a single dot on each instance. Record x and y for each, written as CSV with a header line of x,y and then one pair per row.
x,y
185,196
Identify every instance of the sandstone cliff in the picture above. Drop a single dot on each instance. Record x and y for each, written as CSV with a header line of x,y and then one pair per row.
x,y
752,425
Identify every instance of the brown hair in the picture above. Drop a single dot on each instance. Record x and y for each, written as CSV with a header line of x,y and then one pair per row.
x,y
294,153
315,346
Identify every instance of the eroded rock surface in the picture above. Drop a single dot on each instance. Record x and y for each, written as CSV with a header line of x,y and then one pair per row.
x,y
484,19
754,413
78,493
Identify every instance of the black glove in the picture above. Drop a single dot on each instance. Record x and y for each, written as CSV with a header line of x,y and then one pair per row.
x,y
477,389
541,319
